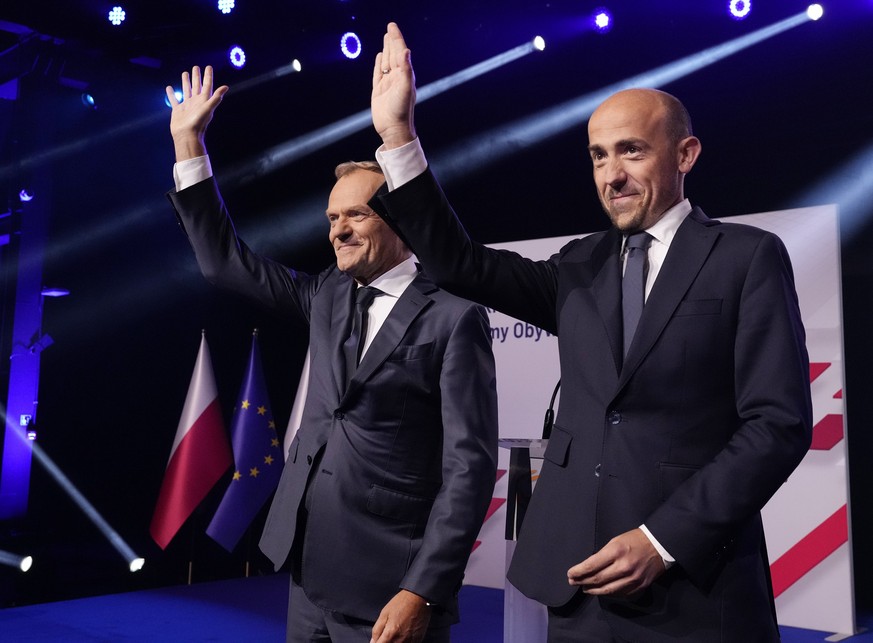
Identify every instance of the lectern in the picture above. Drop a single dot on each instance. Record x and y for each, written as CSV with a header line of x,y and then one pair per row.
x,y
524,620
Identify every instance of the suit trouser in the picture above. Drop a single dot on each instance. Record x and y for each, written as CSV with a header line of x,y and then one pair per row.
x,y
580,621
308,623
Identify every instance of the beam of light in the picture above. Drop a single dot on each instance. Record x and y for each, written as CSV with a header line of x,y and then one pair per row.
x,y
285,153
116,16
23,563
505,140
60,152
134,562
851,187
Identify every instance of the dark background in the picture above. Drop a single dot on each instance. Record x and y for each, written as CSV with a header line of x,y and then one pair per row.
x,y
776,120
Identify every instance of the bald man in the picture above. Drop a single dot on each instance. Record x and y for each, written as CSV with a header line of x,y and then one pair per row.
x,y
685,378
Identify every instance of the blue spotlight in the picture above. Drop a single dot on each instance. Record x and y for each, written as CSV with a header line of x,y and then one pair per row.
x,y
237,57
539,43
116,15
177,93
88,100
739,9
14,560
226,6
601,20
26,195
815,11
295,65
350,45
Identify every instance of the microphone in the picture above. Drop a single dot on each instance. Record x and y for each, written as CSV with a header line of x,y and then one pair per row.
x,y
549,420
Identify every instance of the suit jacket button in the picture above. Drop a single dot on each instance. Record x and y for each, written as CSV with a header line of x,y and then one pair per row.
x,y
614,417
597,471
339,415
309,459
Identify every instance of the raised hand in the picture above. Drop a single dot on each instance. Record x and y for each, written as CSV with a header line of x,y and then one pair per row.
x,y
393,98
191,117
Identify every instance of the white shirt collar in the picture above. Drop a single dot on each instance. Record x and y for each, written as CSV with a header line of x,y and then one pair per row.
x,y
396,280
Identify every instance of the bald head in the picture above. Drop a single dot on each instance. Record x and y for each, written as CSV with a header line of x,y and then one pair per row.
x,y
641,146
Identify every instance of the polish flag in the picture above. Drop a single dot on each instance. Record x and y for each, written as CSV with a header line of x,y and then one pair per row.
x,y
200,454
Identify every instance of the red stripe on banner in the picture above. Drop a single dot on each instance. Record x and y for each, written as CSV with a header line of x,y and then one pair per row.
x,y
838,395
501,473
827,433
194,468
812,549
496,503
817,368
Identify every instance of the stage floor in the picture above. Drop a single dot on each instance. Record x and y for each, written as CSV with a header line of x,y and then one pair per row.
x,y
235,611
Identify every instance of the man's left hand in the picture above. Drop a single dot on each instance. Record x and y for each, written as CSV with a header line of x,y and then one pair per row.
x,y
404,618
624,566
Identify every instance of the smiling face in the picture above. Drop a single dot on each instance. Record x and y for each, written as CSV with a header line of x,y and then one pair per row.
x,y
365,246
640,156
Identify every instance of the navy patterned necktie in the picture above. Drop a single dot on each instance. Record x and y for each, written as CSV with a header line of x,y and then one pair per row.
x,y
364,296
633,285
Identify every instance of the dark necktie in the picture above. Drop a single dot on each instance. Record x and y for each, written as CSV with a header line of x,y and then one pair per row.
x,y
352,347
633,285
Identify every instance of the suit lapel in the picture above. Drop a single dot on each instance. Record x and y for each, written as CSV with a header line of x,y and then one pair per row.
x,y
410,305
688,252
340,327
607,290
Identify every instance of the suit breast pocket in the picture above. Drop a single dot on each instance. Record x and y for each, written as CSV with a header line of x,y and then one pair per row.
x,y
699,307
398,505
411,352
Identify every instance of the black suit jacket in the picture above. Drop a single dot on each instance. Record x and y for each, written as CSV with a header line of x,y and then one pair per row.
x,y
690,435
406,455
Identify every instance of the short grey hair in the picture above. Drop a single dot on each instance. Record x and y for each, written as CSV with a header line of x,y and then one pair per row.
x,y
352,166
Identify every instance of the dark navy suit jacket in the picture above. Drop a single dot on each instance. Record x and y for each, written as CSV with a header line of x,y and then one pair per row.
x,y
406,455
690,435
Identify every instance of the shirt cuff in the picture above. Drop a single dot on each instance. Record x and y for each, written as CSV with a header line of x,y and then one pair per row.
x,y
192,171
665,555
401,164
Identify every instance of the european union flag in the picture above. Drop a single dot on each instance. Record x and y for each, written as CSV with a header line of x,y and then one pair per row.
x,y
257,454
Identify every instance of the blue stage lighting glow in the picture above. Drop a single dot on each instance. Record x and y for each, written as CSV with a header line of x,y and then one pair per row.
x,y
602,20
350,45
815,11
23,563
295,65
116,15
88,100
739,9
177,93
498,143
539,43
237,57
226,6
285,153
134,562
25,195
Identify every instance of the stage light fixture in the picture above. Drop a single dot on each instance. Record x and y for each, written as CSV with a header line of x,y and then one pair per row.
x,y
739,9
25,195
539,43
88,101
501,142
117,15
226,6
815,11
602,20
295,65
237,57
24,563
136,564
177,93
350,45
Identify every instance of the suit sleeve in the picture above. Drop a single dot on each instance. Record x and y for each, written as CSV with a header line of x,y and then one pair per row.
x,y
469,460
700,521
228,262
520,287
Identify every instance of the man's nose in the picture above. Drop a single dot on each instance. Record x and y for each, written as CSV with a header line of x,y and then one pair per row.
x,y
614,173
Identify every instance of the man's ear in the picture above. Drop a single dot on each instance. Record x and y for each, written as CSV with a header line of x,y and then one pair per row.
x,y
688,150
